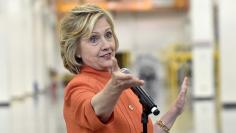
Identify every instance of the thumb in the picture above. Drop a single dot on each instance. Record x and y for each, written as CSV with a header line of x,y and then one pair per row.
x,y
115,67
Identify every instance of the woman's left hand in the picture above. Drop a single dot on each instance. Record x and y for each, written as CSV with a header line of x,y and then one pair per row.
x,y
176,109
179,103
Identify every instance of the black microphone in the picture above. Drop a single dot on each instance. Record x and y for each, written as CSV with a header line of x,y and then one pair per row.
x,y
143,96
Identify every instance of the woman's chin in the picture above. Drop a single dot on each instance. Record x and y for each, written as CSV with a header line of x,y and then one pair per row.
x,y
107,65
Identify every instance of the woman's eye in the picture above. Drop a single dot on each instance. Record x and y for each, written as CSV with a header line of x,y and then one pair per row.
x,y
108,34
93,39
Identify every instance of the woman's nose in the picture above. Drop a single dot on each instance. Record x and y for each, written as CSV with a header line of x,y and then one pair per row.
x,y
106,44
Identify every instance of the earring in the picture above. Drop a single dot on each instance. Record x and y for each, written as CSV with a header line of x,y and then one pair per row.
x,y
78,56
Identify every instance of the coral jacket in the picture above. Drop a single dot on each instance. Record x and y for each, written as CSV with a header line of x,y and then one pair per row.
x,y
80,116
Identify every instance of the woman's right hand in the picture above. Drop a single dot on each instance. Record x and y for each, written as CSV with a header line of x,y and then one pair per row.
x,y
104,102
121,81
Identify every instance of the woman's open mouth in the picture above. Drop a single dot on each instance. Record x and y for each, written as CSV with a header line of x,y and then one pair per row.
x,y
106,56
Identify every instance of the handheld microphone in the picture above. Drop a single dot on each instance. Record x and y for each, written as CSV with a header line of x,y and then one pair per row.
x,y
143,96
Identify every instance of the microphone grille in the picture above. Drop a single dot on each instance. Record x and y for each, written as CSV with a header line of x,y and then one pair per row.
x,y
125,70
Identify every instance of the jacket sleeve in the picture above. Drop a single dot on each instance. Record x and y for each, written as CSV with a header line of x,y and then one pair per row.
x,y
78,107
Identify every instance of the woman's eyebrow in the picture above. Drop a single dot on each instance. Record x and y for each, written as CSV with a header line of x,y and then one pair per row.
x,y
109,28
96,32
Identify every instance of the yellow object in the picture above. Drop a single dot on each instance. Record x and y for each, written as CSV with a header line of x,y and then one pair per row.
x,y
178,57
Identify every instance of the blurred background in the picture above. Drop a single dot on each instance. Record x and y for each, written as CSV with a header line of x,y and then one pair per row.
x,y
160,40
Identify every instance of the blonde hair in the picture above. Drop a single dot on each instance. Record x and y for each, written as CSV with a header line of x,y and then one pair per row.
x,y
79,22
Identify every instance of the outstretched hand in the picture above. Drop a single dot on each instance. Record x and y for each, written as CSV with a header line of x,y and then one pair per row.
x,y
176,109
121,81
104,102
180,101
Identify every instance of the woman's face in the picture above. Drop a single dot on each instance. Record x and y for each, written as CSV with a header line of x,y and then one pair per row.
x,y
99,48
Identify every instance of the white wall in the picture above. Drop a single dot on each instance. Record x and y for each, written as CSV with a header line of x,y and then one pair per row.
x,y
201,14
28,61
4,50
27,47
227,32
143,33
16,47
204,117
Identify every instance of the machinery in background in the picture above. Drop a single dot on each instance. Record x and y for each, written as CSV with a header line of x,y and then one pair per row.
x,y
178,62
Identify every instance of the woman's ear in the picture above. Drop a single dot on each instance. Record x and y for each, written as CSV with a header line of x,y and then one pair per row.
x,y
78,59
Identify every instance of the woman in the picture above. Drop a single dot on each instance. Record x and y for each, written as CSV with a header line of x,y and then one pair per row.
x,y
98,98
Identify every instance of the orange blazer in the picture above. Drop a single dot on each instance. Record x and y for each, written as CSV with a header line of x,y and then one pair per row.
x,y
79,114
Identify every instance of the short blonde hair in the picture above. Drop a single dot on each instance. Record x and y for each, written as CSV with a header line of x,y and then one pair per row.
x,y
79,22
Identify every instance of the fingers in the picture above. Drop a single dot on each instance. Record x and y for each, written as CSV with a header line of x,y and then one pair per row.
x,y
137,82
127,78
115,67
130,83
185,85
121,76
124,81
180,101
183,91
